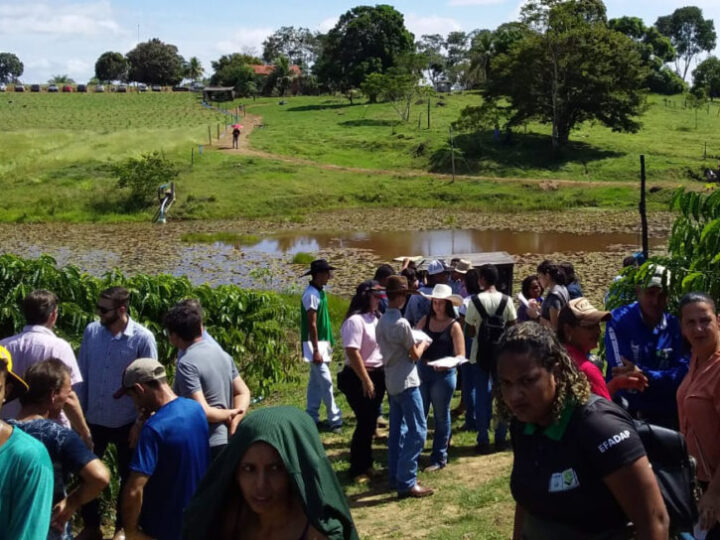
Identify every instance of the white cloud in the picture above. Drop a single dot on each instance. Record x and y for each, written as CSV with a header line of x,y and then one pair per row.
x,y
85,20
431,25
244,40
327,24
456,3
76,67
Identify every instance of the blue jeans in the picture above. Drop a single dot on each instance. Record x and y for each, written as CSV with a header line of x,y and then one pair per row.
x,y
406,438
468,388
320,390
437,389
483,407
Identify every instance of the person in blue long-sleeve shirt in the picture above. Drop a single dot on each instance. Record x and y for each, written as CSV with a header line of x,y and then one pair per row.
x,y
644,337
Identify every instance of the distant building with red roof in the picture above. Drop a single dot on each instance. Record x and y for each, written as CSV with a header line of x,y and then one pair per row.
x,y
265,69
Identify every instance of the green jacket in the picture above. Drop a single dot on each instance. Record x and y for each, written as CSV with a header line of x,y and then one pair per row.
x,y
294,435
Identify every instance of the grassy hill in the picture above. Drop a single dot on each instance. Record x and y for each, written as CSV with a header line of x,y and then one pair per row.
x,y
55,151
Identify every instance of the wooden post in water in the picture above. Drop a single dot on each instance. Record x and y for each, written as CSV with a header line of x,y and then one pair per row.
x,y
643,210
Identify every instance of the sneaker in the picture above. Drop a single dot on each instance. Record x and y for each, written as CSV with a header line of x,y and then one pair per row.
x,y
361,479
382,422
336,430
434,467
483,449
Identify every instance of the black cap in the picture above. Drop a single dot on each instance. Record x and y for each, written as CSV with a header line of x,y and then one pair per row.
x,y
317,266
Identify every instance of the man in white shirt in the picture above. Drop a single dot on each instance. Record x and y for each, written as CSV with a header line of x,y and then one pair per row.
x,y
491,300
37,342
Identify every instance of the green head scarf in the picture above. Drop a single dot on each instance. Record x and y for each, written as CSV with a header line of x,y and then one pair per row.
x,y
294,435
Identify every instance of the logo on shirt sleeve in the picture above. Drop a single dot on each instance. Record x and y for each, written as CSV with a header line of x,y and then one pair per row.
x,y
612,441
563,481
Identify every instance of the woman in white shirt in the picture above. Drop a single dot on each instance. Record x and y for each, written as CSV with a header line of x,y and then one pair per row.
x,y
363,379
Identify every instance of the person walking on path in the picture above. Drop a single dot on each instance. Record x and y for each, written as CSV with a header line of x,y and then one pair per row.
x,y
26,472
236,136
171,457
49,389
206,374
408,427
317,341
438,384
38,342
107,348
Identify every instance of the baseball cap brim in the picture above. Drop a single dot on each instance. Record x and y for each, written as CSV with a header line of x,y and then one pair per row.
x,y
19,386
595,317
120,392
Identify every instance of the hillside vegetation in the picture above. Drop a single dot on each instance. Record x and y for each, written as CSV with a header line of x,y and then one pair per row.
x,y
55,152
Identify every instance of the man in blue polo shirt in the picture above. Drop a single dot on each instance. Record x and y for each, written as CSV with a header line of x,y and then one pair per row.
x,y
643,337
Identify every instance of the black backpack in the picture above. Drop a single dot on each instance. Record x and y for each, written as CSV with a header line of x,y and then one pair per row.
x,y
489,332
674,470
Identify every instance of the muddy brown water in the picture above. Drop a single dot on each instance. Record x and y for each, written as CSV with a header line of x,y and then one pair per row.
x,y
387,245
143,247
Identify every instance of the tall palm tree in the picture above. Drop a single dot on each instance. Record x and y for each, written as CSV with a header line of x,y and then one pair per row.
x,y
482,50
194,69
282,74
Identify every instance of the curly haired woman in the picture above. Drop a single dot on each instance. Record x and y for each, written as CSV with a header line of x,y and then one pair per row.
x,y
579,468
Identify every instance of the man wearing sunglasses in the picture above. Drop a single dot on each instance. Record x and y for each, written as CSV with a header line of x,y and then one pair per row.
x,y
108,347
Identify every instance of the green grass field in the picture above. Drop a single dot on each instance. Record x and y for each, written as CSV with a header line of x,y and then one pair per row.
x,y
55,152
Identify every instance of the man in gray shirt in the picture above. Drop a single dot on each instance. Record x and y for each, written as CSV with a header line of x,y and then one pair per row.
x,y
408,426
206,374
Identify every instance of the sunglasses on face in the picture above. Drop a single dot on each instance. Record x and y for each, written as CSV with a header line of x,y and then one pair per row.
x,y
102,310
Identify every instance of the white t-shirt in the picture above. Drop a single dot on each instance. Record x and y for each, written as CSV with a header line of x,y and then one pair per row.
x,y
490,301
358,332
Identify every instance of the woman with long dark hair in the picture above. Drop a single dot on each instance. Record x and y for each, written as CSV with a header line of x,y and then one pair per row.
x,y
362,380
553,279
532,292
438,384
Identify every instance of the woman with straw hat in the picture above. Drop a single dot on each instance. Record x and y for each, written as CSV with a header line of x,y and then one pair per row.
x,y
438,384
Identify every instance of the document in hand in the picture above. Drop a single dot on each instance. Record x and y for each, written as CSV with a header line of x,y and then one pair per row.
x,y
419,336
448,362
323,346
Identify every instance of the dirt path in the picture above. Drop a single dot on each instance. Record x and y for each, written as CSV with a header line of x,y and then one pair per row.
x,y
254,121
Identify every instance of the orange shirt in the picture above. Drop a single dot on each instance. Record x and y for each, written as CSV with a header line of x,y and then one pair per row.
x,y
698,399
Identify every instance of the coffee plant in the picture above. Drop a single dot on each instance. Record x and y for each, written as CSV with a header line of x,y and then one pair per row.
x,y
258,329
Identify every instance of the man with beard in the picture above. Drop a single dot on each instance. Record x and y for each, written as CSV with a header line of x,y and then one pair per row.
x,y
107,348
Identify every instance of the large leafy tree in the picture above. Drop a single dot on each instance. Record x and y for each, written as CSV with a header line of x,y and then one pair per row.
x,y
365,40
234,70
155,62
569,68
689,33
707,76
111,66
655,50
431,48
10,67
299,45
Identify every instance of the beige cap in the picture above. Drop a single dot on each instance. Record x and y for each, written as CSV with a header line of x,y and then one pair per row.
x,y
140,371
586,313
462,266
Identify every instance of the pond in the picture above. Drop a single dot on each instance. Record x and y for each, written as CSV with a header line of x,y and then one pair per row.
x,y
143,247
388,245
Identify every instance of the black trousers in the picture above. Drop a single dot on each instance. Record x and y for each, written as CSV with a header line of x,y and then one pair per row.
x,y
366,413
102,437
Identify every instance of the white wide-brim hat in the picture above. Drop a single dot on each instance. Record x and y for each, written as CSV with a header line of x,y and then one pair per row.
x,y
444,292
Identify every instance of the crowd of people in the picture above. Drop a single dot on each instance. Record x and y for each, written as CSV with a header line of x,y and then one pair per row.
x,y
193,462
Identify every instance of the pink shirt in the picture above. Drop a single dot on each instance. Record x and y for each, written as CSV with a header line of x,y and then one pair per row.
x,y
591,371
35,344
698,399
358,332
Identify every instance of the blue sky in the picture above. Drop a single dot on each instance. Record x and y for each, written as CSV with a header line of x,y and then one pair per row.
x,y
66,37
